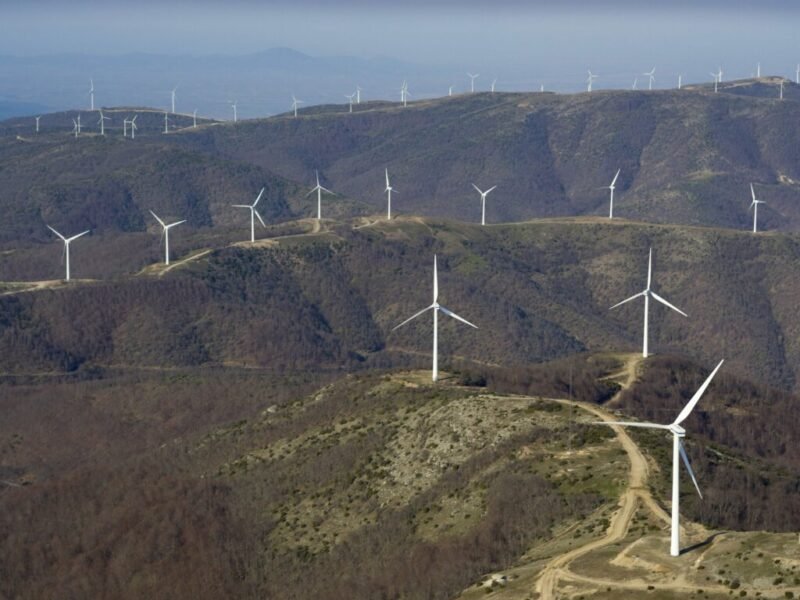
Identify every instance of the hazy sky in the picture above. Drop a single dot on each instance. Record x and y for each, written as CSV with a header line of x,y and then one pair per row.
x,y
503,33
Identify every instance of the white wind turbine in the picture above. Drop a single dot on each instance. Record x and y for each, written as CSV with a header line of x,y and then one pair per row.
x,y
67,242
472,79
611,189
102,122
165,234
175,89
717,78
483,201
494,83
647,293
253,215
133,126
194,119
350,98
754,205
781,96
797,74
235,114
758,71
680,81
75,128
295,104
635,81
389,189
91,94
404,93
37,124
651,75
359,89
319,189
678,454
590,81
436,307
166,122
79,122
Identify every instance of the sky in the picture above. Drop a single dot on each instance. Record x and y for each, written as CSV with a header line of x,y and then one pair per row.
x,y
524,44
489,34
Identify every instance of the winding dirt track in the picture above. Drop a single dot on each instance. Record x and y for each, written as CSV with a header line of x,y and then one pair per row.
x,y
636,492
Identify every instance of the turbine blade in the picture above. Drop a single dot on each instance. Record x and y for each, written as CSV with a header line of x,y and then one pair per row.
x,y
424,310
697,395
258,216
435,278
58,234
650,268
665,303
752,192
627,300
615,178
176,223
490,189
689,468
157,219
261,193
450,313
75,237
477,189
308,194
644,425
387,179
241,205
324,189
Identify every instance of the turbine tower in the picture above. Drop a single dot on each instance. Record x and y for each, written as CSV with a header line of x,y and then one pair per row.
x,y
389,189
647,293
91,94
359,89
253,215
436,307
37,124
651,75
590,81
319,189
754,205
133,126
678,454
680,81
175,89
483,201
295,103
472,79
758,71
350,98
75,128
194,119
166,122
165,234
67,242
611,189
235,115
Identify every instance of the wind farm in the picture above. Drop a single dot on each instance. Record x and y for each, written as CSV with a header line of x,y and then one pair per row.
x,y
284,415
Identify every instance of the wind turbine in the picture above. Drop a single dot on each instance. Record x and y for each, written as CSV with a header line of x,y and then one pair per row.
x,y
483,201
717,78
253,215
651,75
494,83
358,94
194,119
79,122
754,206
680,81
589,81
295,103
648,293
758,71
404,93
235,116
166,122
67,242
165,233
436,307
611,200
472,79
91,94
133,126
797,74
782,81
678,454
37,124
350,97
102,122
319,189
175,89
75,127
635,81
450,91
389,189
